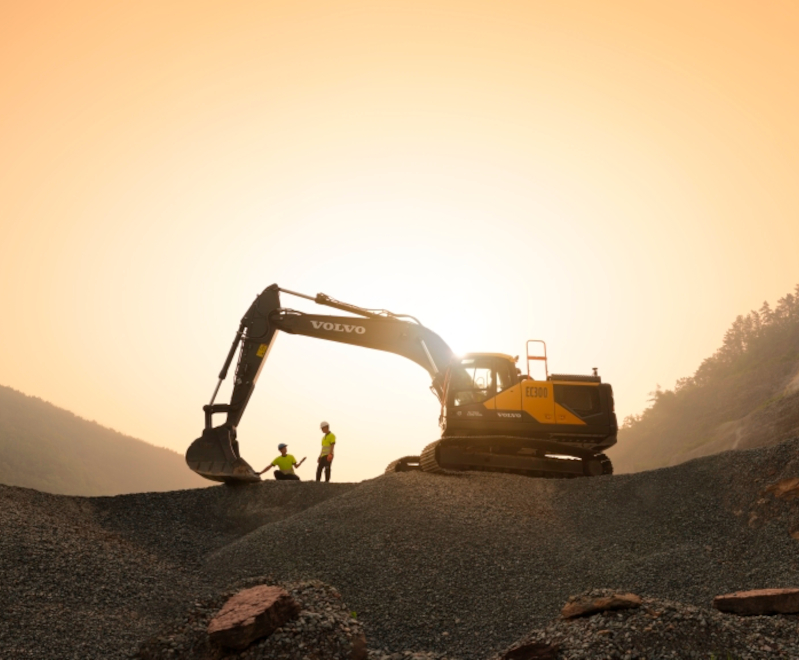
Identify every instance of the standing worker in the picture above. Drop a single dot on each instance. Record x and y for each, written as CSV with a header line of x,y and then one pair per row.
x,y
326,457
285,464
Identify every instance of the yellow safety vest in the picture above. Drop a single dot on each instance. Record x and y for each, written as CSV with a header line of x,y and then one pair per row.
x,y
285,463
328,441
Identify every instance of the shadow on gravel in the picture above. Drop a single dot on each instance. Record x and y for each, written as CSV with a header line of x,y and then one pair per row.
x,y
458,565
464,565
186,525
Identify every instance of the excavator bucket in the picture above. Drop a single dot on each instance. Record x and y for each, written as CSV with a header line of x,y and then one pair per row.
x,y
215,455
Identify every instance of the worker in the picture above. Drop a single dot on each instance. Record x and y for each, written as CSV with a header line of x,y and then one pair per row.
x,y
326,457
285,464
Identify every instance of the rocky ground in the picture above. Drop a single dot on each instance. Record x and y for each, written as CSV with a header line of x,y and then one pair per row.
x,y
442,566
325,628
662,629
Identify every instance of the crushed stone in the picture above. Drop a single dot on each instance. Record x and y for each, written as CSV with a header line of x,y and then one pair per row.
x,y
443,566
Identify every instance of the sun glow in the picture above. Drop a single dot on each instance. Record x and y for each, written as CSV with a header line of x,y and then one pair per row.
x,y
601,176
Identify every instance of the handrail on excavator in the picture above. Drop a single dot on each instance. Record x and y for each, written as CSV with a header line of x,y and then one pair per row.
x,y
537,357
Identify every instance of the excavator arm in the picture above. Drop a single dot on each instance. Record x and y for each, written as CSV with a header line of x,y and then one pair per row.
x,y
215,454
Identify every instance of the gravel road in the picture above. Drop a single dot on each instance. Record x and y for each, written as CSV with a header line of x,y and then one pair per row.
x,y
459,565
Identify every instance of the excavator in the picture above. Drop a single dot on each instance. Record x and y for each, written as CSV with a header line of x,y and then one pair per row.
x,y
493,417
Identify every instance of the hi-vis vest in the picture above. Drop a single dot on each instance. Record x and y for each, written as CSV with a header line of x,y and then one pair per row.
x,y
285,463
328,441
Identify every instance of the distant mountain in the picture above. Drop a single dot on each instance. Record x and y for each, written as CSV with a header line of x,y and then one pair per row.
x,y
746,395
50,449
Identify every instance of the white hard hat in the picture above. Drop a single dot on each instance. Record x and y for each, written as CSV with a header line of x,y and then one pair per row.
x,y
323,424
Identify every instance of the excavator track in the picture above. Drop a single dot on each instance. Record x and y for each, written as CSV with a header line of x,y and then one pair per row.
x,y
547,467
428,460
404,464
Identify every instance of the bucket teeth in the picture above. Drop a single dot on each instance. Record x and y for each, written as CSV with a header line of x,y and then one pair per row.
x,y
214,456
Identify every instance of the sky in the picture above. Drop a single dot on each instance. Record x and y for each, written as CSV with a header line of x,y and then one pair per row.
x,y
615,178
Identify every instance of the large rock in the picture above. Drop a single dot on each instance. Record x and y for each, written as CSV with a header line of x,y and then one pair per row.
x,y
759,601
359,650
250,615
587,605
787,489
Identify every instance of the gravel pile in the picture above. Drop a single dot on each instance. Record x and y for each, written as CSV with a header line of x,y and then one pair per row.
x,y
662,629
93,577
70,588
439,565
463,564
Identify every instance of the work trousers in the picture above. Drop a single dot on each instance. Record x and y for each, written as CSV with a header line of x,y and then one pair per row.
x,y
323,464
287,476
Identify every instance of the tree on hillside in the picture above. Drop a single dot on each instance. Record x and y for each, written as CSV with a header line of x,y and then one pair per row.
x,y
758,352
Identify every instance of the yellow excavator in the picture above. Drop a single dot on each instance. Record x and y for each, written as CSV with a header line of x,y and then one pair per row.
x,y
493,416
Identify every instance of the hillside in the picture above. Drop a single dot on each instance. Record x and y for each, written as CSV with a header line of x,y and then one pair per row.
x,y
461,565
745,395
50,449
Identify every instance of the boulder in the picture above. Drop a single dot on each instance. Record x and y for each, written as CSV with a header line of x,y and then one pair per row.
x,y
759,601
250,615
787,489
587,605
359,651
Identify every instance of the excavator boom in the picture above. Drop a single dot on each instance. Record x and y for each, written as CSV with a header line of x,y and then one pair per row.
x,y
215,454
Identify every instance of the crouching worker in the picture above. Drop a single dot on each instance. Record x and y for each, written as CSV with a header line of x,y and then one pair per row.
x,y
285,464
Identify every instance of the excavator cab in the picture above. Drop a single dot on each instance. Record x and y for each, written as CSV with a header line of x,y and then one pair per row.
x,y
486,394
478,377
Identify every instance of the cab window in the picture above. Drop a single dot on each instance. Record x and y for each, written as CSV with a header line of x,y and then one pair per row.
x,y
506,375
473,381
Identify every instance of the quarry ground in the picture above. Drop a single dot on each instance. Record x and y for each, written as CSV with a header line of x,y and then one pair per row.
x,y
460,565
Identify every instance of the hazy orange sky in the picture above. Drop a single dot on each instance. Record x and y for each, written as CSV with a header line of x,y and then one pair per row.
x,y
617,178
